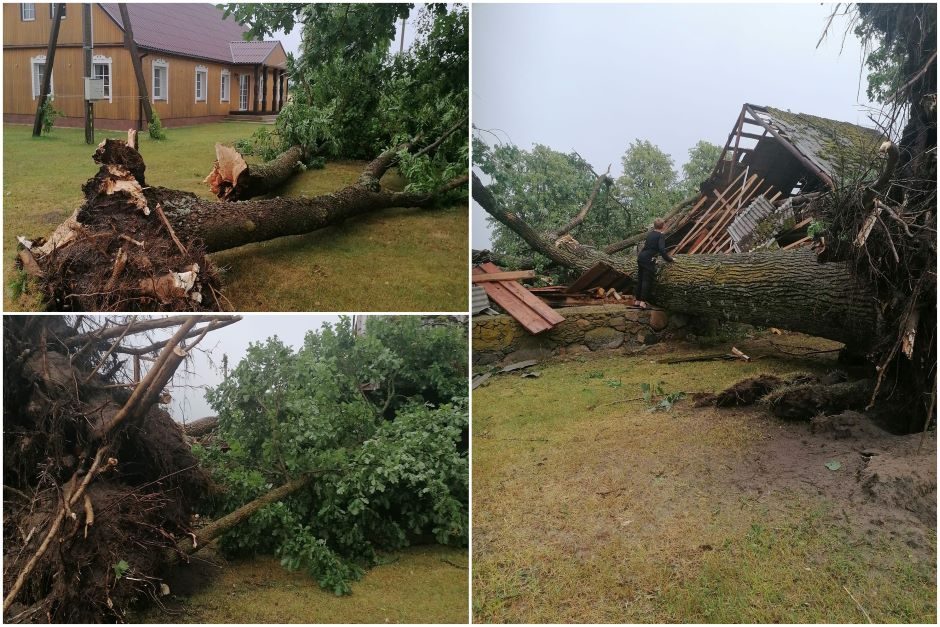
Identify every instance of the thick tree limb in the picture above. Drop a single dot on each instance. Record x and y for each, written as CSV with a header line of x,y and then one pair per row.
x,y
582,213
638,236
201,427
215,529
232,178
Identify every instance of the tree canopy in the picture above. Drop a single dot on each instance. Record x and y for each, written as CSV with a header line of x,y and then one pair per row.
x,y
377,420
353,95
546,188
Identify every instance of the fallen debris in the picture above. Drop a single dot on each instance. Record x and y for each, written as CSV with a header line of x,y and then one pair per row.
x,y
534,315
519,365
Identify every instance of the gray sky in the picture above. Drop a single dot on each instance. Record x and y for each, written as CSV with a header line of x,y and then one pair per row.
x,y
593,78
205,368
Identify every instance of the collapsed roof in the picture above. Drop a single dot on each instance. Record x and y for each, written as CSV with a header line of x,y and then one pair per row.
x,y
772,160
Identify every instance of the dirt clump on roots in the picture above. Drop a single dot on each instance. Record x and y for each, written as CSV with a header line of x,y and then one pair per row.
x,y
117,252
118,537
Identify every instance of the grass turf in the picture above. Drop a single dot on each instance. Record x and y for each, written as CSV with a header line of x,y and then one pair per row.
x,y
426,584
397,260
590,509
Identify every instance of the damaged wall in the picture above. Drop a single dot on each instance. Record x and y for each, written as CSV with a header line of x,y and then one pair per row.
x,y
584,330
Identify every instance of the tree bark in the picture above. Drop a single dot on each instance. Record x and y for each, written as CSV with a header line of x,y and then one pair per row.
x,y
239,223
789,290
233,179
215,529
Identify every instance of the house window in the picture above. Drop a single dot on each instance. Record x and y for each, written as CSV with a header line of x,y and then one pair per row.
x,y
224,88
28,12
201,82
101,68
160,74
52,11
38,65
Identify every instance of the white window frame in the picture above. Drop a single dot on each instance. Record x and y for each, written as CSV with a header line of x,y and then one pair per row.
x,y
32,7
33,62
225,86
165,85
99,59
246,79
52,11
201,69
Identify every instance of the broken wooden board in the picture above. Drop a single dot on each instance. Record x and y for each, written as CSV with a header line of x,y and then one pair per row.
x,y
533,314
601,275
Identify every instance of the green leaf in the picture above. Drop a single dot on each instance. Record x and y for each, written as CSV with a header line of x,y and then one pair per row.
x,y
833,465
120,568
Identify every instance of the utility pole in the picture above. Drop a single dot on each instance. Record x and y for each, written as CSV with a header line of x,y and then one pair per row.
x,y
47,69
131,46
87,44
401,46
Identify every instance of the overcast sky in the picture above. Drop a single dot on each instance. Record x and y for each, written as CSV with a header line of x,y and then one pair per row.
x,y
593,78
205,368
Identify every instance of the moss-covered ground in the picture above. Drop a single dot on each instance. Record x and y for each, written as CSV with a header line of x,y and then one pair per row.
x,y
397,260
588,507
426,584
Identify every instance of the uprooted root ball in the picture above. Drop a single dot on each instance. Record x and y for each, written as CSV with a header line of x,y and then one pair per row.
x,y
118,252
113,545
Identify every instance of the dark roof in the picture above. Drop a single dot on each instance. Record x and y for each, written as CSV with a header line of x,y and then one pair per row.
x,y
193,30
836,148
252,51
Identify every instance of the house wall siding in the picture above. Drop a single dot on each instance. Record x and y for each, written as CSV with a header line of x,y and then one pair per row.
x,y
16,32
25,40
68,85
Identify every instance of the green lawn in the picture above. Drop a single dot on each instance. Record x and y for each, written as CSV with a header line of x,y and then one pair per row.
x,y
587,507
397,260
424,584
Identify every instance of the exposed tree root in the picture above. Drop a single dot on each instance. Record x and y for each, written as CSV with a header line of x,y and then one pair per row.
x,y
131,247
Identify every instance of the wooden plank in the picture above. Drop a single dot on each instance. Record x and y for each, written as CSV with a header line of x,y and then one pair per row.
x,y
728,204
515,307
797,243
531,300
699,223
526,308
753,193
504,276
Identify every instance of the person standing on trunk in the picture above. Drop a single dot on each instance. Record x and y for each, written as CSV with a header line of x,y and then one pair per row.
x,y
654,245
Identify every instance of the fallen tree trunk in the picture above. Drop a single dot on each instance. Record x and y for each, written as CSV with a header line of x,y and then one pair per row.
x,y
131,247
788,290
232,178
213,530
201,427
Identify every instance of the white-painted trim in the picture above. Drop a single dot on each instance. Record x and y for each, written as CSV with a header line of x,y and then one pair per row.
x,y
33,61
160,63
223,97
100,59
201,69
22,6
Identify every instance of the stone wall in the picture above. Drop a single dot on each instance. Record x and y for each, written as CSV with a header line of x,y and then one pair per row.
x,y
585,329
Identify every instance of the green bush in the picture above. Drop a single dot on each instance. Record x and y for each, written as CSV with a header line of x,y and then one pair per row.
x,y
49,115
156,128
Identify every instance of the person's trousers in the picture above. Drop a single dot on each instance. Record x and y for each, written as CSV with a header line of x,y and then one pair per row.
x,y
645,277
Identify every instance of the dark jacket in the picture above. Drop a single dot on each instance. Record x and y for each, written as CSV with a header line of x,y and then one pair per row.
x,y
655,245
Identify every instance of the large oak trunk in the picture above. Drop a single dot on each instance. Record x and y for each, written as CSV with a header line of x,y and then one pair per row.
x,y
789,290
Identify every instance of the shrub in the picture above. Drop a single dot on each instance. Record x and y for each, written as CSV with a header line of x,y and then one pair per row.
x,y
49,115
156,128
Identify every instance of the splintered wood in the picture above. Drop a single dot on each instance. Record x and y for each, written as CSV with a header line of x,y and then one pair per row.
x,y
533,314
